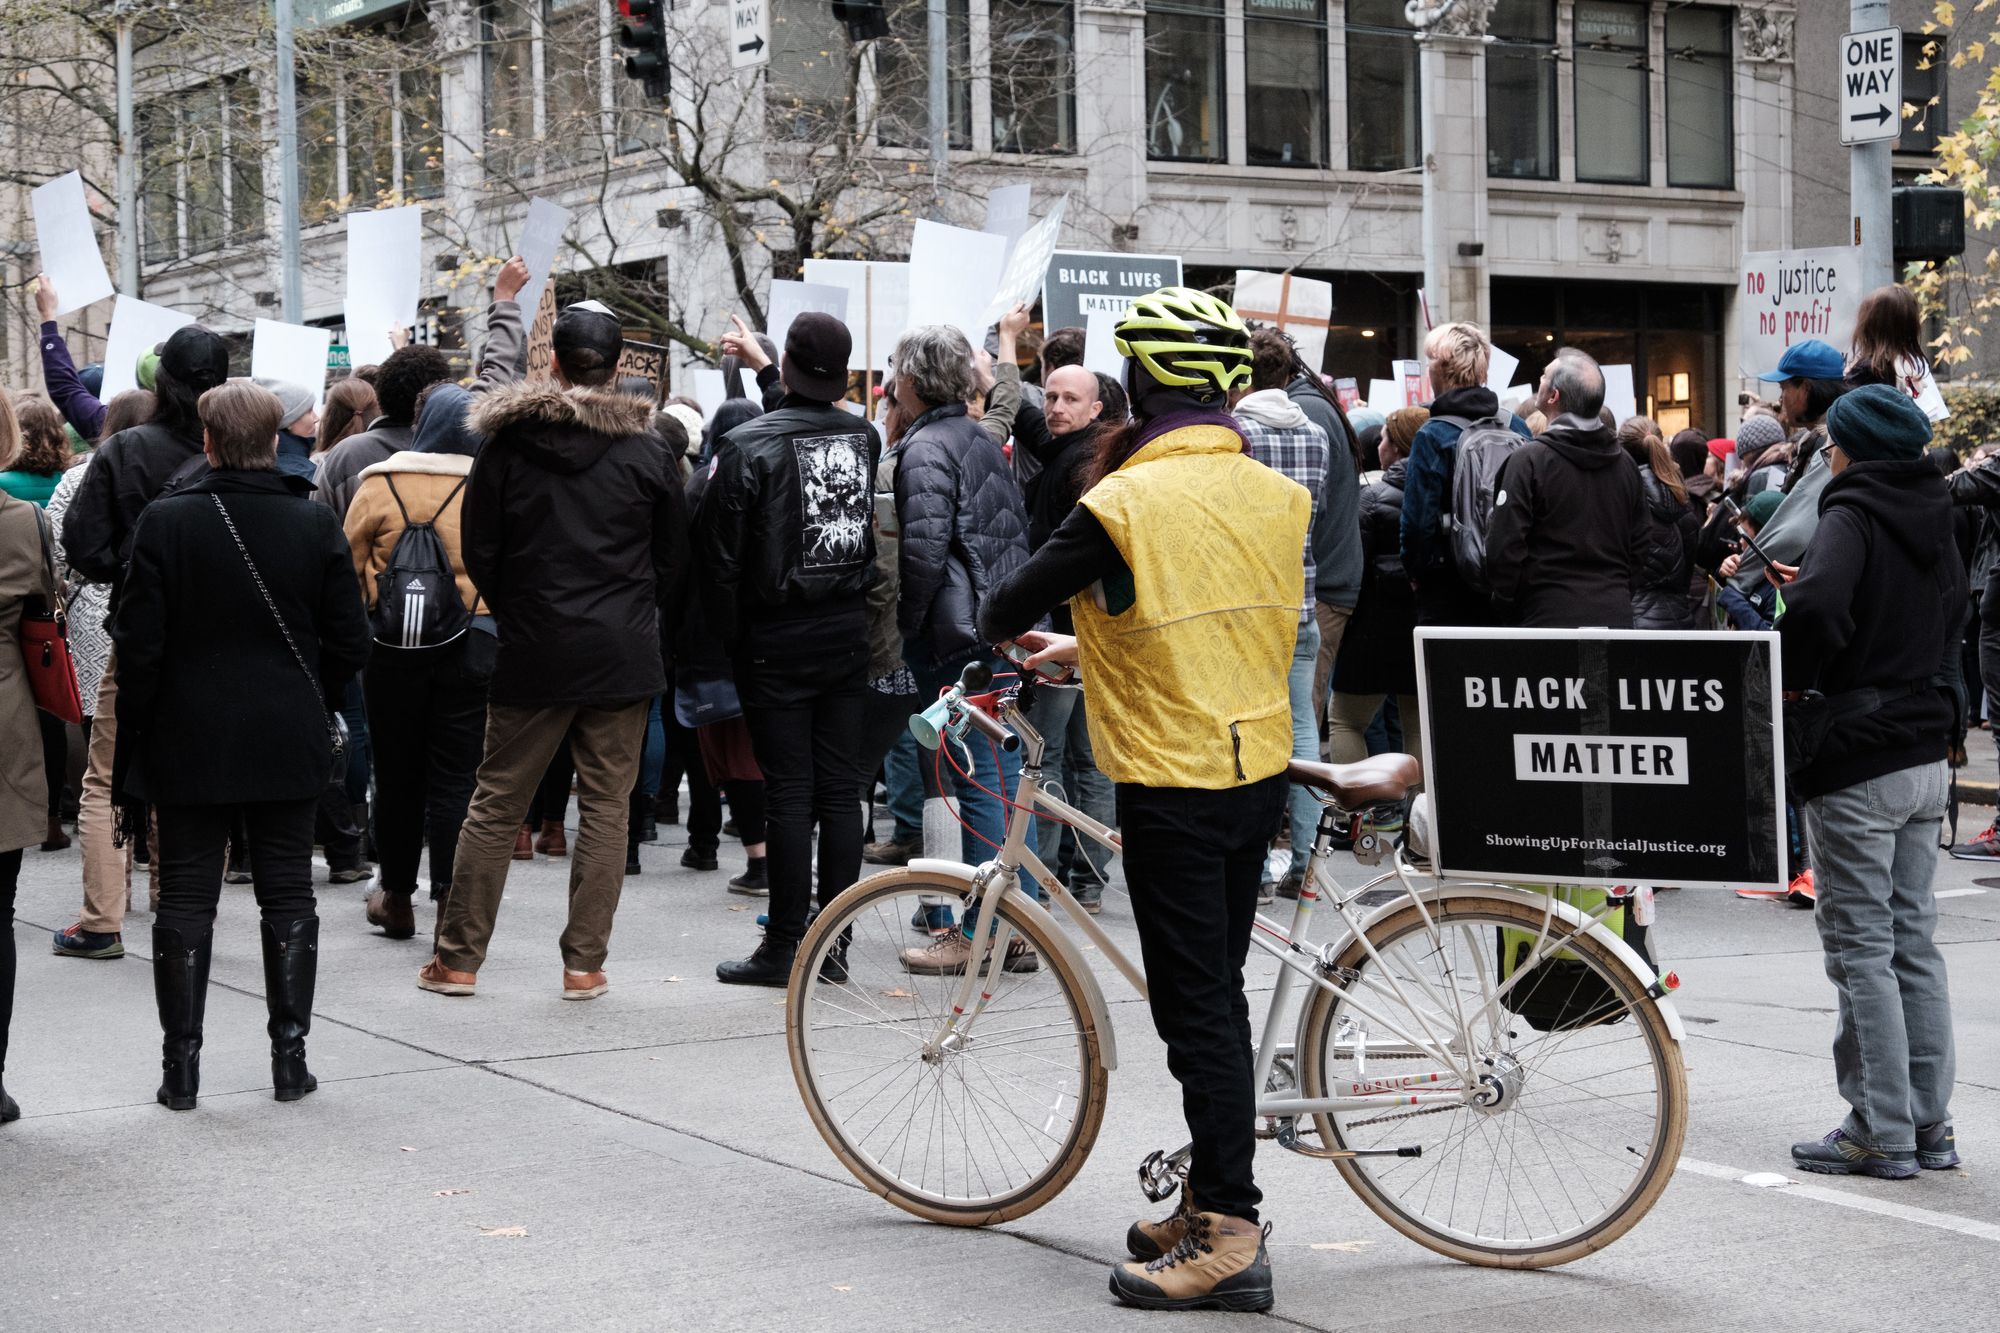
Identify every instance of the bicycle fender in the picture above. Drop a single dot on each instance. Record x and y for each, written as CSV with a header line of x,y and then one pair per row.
x,y
1565,913
1093,993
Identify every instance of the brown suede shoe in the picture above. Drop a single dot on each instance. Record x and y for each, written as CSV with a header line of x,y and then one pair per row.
x,y
441,979
552,842
524,844
1219,1264
392,912
583,985
1149,1240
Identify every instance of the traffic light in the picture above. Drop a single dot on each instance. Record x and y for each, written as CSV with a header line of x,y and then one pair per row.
x,y
644,35
865,19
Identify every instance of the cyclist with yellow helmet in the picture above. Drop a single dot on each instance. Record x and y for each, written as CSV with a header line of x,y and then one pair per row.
x,y
1181,565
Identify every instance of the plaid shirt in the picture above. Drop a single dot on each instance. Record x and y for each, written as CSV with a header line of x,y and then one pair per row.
x,y
1299,452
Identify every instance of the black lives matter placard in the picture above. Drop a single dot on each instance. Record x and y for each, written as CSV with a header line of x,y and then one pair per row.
x,y
1081,282
1604,756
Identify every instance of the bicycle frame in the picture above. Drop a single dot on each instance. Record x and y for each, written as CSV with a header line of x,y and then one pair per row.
x,y
1452,1042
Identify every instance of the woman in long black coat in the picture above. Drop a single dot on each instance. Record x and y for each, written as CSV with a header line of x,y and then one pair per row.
x,y
239,617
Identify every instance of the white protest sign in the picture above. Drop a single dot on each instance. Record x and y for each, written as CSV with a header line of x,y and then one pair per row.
x,y
1929,399
953,275
1871,85
292,353
1386,396
540,235
135,327
1007,211
1619,394
69,243
710,390
878,304
1500,368
384,279
1100,349
1788,296
789,300
749,33
1301,308
1021,284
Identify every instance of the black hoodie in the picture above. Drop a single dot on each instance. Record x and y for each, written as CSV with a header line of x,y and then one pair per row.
x,y
1568,534
1880,592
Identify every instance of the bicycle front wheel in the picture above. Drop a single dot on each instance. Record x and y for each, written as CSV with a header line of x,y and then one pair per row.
x,y
1573,1132
962,1119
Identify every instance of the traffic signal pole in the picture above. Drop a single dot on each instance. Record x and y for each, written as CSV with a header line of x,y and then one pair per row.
x,y
1868,175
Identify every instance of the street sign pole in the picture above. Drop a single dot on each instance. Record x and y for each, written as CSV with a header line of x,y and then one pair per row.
x,y
291,299
1871,118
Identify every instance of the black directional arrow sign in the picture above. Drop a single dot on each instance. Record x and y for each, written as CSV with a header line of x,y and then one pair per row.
x,y
758,45
1871,85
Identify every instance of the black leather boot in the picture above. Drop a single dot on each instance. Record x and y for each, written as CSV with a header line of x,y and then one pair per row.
x,y
180,988
291,966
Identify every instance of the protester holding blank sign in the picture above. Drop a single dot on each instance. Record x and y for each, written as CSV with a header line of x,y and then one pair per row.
x,y
1869,623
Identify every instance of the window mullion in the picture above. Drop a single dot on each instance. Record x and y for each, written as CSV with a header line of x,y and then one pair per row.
x,y
1235,78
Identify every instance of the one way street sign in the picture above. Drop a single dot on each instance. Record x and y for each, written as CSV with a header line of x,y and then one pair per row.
x,y
1871,85
749,33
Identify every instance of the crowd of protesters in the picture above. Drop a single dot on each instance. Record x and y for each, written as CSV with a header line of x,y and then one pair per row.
x,y
405,619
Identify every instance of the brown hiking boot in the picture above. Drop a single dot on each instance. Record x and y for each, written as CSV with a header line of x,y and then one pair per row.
x,y
552,842
1219,1264
949,953
437,977
524,844
1149,1240
392,912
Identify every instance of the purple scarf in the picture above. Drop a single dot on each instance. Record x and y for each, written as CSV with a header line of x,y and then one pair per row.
x,y
1198,416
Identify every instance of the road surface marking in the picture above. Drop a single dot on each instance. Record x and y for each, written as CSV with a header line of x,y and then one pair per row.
x,y
1964,1226
1956,893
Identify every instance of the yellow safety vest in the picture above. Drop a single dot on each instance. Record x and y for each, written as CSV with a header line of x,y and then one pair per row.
x,y
1190,682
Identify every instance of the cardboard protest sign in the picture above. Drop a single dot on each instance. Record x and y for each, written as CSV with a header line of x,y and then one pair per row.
x,y
878,304
1788,296
1080,281
1604,756
135,327
69,243
1301,308
384,279
291,354
541,351
953,275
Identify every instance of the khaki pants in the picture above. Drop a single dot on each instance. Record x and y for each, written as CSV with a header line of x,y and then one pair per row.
x,y
107,881
1348,721
1332,625
607,743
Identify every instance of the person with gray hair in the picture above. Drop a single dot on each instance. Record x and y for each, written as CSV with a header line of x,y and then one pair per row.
x,y
1569,526
964,528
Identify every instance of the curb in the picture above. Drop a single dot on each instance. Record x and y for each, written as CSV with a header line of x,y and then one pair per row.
x,y
1978,791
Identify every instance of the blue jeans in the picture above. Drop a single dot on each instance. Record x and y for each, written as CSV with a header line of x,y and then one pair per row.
x,y
1303,804
906,788
982,814
655,753
355,710
1069,773
1875,849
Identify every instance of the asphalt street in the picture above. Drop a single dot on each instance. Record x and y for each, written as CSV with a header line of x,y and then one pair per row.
x,y
643,1161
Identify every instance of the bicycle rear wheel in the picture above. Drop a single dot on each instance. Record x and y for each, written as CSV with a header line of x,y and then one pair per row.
x,y
985,1128
1583,1124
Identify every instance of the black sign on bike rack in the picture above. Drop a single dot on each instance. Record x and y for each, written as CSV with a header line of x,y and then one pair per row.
x,y
1604,756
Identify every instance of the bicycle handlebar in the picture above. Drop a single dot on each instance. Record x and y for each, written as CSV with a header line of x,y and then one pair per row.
x,y
989,724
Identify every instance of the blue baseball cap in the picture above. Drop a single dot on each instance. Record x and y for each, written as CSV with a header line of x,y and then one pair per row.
x,y
1808,360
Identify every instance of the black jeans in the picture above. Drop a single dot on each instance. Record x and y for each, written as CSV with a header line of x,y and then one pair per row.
x,y
551,803
807,736
1193,860
55,758
10,877
427,718
192,840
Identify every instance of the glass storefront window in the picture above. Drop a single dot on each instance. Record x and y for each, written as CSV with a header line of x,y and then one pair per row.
x,y
902,79
1034,76
1284,58
1521,91
1184,90
1668,333
1700,94
1384,118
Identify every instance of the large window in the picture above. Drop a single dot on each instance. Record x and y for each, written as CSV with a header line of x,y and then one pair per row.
x,y
1699,98
1284,62
1384,125
1184,85
806,97
1034,76
507,73
1521,90
1612,143
1924,68
902,75
369,133
202,169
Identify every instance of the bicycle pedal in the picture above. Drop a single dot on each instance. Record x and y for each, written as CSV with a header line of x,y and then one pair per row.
x,y
1160,1175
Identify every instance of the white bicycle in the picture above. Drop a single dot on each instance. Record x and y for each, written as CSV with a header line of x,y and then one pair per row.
x,y
973,1095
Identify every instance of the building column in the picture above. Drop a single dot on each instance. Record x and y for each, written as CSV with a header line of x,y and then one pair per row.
x,y
1111,92
1452,74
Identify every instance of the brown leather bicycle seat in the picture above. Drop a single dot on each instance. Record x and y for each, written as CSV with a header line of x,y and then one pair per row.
x,y
1382,777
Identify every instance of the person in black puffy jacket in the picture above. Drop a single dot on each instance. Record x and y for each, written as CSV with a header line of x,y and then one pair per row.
x,y
963,530
1660,584
1378,655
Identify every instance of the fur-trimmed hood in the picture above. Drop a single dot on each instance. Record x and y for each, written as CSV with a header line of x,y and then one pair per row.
x,y
563,430
413,460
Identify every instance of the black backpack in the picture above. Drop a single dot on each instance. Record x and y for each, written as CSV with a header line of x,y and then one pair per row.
x,y
1482,447
416,595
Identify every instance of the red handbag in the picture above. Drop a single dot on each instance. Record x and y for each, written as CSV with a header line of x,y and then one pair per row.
x,y
45,642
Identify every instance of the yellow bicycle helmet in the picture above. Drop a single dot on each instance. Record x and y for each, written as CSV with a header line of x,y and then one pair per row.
x,y
1186,339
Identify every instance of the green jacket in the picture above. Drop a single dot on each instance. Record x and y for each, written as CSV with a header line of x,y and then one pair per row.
x,y
34,487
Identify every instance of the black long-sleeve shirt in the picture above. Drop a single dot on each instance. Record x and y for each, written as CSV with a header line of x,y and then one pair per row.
x,y
1077,554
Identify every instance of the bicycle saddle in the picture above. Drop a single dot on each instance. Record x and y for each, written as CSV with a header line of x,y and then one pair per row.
x,y
1382,777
